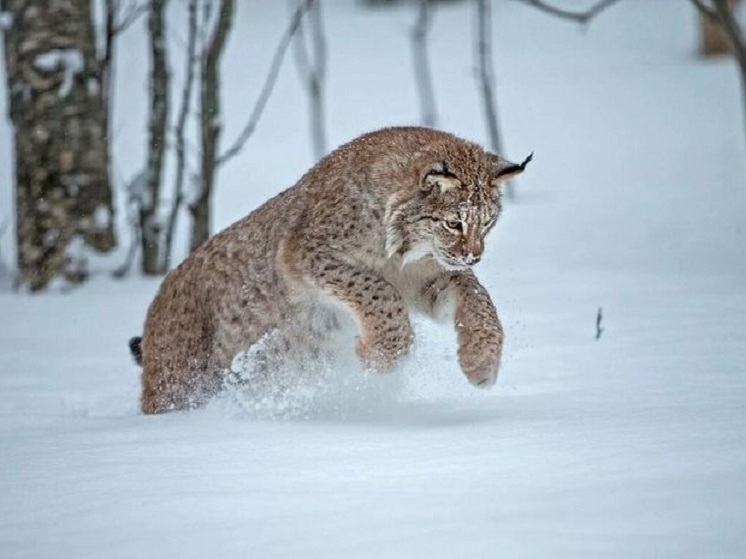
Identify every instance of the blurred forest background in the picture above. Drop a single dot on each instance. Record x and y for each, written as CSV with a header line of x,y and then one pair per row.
x,y
78,198
130,130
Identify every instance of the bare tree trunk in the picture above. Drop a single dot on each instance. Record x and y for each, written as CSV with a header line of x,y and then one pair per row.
x,y
487,80
313,72
186,100
210,123
63,191
317,79
486,77
150,221
422,73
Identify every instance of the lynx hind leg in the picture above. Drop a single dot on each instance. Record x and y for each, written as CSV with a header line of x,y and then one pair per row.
x,y
284,358
305,343
176,373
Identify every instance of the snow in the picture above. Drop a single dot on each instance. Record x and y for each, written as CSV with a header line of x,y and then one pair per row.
x,y
92,86
70,61
6,20
633,445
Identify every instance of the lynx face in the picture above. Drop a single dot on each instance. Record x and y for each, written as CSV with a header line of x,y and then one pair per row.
x,y
451,211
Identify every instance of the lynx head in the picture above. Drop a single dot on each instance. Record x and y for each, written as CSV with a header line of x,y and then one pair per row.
x,y
452,205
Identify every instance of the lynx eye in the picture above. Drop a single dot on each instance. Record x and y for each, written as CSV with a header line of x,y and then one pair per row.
x,y
453,225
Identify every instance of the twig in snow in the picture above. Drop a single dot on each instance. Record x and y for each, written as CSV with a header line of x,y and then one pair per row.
x,y
599,318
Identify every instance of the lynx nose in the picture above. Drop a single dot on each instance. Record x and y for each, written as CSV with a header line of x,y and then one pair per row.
x,y
471,258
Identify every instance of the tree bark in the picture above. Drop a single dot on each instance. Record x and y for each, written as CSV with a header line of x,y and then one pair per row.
x,y
210,124
151,238
59,114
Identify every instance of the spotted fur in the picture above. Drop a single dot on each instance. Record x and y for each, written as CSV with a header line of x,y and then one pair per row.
x,y
389,223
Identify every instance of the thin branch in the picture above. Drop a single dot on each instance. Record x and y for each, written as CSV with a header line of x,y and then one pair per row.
x,y
599,319
579,17
269,84
422,73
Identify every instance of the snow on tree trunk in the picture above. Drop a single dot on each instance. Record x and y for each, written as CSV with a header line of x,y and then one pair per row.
x,y
63,191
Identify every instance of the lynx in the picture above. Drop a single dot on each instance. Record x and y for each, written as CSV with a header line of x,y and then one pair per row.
x,y
389,223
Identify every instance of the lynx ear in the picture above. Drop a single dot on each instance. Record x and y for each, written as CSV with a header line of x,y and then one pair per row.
x,y
438,176
507,170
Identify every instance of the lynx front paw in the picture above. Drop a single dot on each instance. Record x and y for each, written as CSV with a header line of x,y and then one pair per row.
x,y
479,357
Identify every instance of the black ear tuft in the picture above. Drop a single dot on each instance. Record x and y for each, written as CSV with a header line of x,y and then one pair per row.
x,y
516,168
136,349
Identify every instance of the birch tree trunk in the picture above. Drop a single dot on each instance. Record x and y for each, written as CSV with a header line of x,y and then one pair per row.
x,y
210,124
59,115
151,227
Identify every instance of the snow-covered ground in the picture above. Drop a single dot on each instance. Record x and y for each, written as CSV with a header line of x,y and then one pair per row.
x,y
630,446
